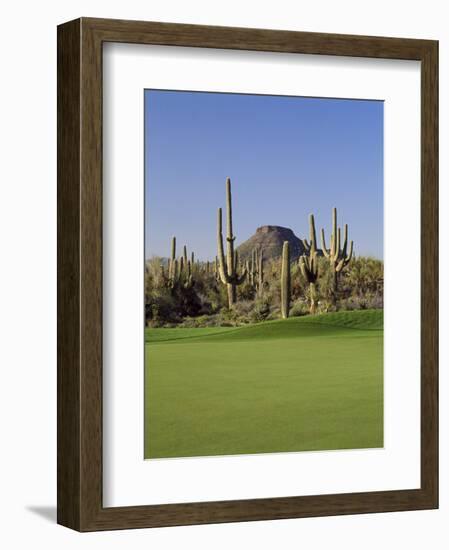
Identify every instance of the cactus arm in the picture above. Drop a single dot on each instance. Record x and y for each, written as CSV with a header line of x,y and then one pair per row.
x,y
345,241
334,246
351,250
222,267
175,269
346,259
173,248
312,232
326,252
229,234
261,274
229,237
310,245
302,267
171,263
189,278
337,246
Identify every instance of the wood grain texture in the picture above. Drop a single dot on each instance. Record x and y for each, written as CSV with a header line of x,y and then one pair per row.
x,y
80,274
68,170
429,271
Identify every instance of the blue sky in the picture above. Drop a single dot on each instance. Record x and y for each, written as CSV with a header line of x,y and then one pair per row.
x,y
286,157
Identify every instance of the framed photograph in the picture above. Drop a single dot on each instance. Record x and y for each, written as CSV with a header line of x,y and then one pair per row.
x,y
247,274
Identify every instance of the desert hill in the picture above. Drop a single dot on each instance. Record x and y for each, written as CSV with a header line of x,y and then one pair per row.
x,y
270,239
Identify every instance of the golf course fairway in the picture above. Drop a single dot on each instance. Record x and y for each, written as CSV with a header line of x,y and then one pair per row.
x,y
300,384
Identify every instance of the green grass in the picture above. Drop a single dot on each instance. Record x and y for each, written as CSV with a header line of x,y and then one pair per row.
x,y
306,383
165,334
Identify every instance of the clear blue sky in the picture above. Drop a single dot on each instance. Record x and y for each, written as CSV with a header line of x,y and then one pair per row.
x,y
286,157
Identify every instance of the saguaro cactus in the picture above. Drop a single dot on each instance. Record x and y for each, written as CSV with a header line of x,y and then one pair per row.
x,y
260,274
309,264
338,256
187,281
227,266
216,270
253,271
255,268
285,280
179,271
172,264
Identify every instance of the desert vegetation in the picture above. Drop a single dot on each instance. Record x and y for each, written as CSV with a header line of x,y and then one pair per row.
x,y
247,336
252,286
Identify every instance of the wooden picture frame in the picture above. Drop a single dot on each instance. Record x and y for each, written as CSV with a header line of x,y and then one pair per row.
x,y
80,504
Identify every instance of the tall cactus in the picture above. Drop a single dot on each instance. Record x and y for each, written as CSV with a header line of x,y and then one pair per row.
x,y
216,270
188,277
172,264
285,280
255,268
309,264
260,274
179,271
227,266
338,256
252,269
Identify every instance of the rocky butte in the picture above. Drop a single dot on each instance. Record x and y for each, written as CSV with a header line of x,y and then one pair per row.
x,y
270,238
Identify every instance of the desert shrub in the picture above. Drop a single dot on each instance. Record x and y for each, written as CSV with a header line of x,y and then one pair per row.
x,y
299,285
161,308
229,318
197,322
260,311
299,308
206,302
243,308
368,301
363,277
275,313
245,291
325,306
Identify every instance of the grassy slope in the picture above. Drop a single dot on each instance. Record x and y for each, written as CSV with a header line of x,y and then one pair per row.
x,y
165,334
308,383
